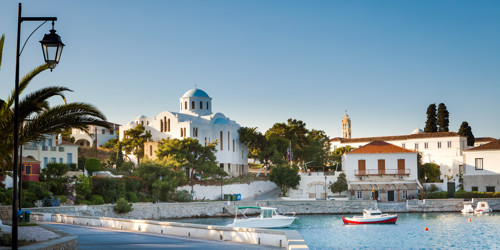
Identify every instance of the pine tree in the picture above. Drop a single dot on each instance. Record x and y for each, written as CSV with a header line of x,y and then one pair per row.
x,y
430,124
466,130
443,116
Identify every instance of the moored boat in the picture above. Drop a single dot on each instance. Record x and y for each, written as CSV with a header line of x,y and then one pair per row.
x,y
482,207
268,218
467,208
371,216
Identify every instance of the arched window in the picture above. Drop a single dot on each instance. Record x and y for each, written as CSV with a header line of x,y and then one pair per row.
x,y
185,134
201,105
181,105
185,105
194,132
234,145
150,150
142,123
228,142
161,126
182,135
221,141
192,105
205,141
168,125
165,123
207,105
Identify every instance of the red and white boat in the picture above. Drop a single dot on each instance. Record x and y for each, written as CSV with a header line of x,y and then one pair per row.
x,y
371,216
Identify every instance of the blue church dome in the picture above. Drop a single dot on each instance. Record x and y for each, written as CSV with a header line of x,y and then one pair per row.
x,y
220,121
196,93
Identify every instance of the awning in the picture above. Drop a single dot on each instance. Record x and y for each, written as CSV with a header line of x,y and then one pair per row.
x,y
377,186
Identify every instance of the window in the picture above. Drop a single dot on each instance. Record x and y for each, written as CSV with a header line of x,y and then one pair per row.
x,y
185,134
142,123
181,105
168,126
426,145
182,132
205,141
194,132
185,105
161,126
201,105
28,169
474,189
416,146
361,167
405,194
479,163
52,159
401,166
359,194
229,167
221,166
242,154
463,144
103,131
381,166
449,144
221,141
228,142
234,145
207,105
439,144
192,105
403,145
150,150
60,160
490,189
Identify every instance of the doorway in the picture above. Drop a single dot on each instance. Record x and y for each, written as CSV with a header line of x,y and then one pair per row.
x,y
390,195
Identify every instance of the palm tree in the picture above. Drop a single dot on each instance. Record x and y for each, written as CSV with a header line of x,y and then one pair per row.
x,y
37,117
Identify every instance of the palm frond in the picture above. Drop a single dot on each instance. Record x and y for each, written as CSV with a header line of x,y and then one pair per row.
x,y
37,101
2,40
24,83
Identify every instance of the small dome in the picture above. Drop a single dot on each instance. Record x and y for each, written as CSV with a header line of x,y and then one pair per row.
x,y
220,121
131,123
195,93
141,117
417,131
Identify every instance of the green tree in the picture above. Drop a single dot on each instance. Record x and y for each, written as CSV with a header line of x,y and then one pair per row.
x,y
92,165
285,177
337,155
134,140
159,178
429,172
443,118
190,154
430,123
119,155
466,130
340,185
53,170
37,117
83,187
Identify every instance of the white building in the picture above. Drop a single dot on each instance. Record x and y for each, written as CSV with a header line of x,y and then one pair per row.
x,y
442,148
482,168
381,170
51,149
482,140
103,134
195,119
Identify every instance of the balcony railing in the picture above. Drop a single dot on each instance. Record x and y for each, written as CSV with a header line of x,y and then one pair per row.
x,y
52,148
382,172
30,147
45,148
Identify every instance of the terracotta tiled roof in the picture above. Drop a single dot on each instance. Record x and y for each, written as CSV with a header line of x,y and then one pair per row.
x,y
29,159
494,145
380,147
395,137
484,139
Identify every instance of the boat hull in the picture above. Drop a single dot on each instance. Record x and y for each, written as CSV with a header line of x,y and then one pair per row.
x,y
263,223
391,219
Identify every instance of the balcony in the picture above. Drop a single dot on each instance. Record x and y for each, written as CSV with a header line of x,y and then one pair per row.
x,y
30,147
45,148
369,172
52,148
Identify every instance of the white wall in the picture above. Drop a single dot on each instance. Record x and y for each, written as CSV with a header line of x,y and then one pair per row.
x,y
312,186
247,191
350,163
491,162
56,151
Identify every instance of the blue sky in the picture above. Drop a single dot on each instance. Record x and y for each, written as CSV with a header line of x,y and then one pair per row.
x,y
266,61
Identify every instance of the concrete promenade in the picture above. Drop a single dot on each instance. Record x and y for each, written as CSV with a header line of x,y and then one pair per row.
x,y
105,238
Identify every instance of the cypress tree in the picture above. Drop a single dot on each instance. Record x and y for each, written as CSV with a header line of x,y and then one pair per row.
x,y
443,116
466,130
430,124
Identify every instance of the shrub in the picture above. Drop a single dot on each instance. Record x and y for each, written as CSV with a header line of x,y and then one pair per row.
x,y
182,196
133,183
96,200
433,188
51,202
126,166
84,202
92,165
132,197
122,206
38,190
73,167
437,195
28,199
469,195
63,199
83,187
6,240
111,189
53,170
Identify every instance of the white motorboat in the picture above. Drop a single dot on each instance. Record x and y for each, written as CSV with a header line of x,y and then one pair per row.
x,y
268,218
467,208
482,207
371,216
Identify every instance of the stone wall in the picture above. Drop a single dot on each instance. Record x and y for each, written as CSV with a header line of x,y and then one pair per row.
x,y
162,211
6,213
247,191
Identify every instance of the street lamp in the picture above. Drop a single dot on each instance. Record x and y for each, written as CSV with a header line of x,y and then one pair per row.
x,y
52,49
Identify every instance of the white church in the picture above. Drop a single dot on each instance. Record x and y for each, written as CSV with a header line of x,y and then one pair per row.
x,y
195,119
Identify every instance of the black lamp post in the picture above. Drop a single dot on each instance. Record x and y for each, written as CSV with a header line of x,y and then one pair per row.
x,y
52,49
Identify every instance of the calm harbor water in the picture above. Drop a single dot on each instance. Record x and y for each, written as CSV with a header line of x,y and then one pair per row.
x,y
446,230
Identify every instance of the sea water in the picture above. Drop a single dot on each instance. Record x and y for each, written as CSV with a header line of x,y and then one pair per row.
x,y
445,230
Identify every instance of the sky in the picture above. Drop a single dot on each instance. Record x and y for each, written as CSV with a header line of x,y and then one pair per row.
x,y
263,62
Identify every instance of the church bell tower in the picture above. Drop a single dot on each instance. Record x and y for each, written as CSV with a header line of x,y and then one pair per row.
x,y
346,126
